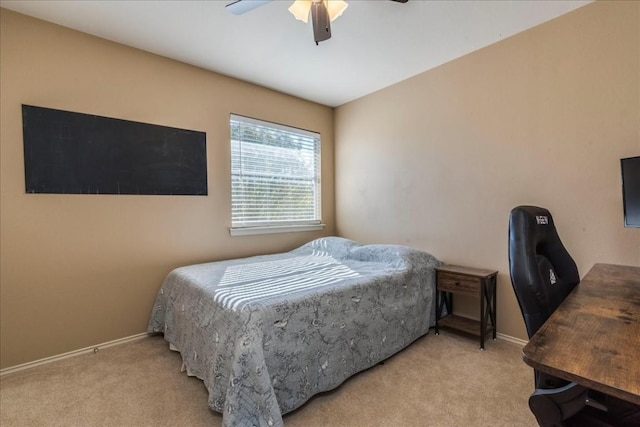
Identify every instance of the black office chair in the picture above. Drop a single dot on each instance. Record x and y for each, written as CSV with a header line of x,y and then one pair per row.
x,y
543,274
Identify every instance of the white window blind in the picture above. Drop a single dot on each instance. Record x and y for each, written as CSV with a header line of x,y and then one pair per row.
x,y
275,174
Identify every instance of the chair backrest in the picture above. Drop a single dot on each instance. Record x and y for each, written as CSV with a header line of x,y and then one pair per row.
x,y
542,271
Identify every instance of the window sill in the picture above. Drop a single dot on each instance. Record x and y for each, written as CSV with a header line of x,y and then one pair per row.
x,y
249,231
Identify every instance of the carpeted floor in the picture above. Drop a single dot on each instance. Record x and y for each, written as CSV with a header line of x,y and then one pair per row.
x,y
440,380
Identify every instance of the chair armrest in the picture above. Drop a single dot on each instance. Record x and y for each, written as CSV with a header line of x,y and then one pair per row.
x,y
552,406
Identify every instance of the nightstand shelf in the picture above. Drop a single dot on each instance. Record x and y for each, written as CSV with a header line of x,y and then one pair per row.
x,y
464,324
474,282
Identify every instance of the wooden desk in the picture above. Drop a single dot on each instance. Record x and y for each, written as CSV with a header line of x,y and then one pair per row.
x,y
593,338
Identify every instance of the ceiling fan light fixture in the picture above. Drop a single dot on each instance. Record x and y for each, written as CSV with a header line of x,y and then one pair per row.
x,y
336,8
300,8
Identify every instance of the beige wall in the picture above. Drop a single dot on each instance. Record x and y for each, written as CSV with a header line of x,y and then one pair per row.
x,y
438,161
78,270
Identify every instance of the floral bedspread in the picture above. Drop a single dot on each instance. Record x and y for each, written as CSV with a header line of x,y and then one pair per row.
x,y
266,333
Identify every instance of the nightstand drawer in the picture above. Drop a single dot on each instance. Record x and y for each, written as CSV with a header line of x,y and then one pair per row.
x,y
459,284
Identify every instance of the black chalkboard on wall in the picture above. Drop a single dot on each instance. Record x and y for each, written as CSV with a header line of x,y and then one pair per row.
x,y
74,153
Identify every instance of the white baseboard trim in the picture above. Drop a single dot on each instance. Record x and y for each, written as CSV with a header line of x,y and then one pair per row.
x,y
73,353
124,340
512,339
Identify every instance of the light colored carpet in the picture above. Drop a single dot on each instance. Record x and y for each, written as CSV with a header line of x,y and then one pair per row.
x,y
440,380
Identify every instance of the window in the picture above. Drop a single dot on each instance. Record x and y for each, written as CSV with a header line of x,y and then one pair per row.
x,y
275,178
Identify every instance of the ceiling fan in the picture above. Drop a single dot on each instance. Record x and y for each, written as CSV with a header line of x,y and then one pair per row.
x,y
323,12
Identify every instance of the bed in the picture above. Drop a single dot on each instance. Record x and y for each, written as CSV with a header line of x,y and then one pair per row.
x,y
266,333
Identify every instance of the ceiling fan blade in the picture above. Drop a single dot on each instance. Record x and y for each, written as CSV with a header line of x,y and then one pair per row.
x,y
400,1
239,7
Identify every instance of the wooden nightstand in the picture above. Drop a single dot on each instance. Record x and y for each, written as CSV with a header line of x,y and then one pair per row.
x,y
475,282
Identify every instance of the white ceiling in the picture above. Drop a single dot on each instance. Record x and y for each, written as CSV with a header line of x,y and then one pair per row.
x,y
375,43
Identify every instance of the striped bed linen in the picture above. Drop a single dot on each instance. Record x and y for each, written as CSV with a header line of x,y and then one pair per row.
x,y
266,333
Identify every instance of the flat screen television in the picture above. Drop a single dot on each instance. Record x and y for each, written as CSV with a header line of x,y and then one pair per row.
x,y
631,190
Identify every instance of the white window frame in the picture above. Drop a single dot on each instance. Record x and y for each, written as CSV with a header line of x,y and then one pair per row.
x,y
240,224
